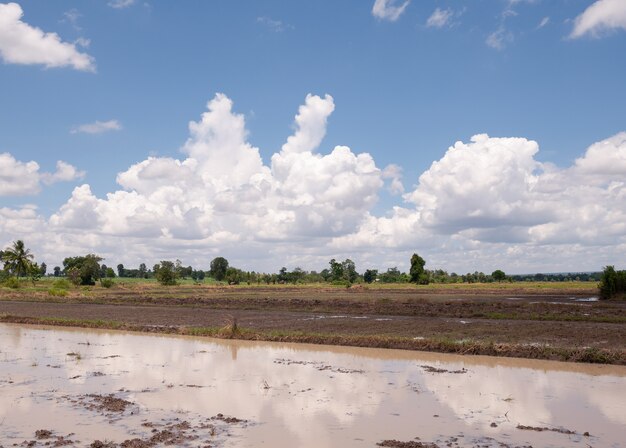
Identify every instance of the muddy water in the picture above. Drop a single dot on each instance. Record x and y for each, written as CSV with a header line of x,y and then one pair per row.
x,y
294,395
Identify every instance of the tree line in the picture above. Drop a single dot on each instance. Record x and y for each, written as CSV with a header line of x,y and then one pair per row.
x,y
88,269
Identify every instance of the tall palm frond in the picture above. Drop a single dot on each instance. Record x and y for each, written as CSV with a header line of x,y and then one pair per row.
x,y
17,259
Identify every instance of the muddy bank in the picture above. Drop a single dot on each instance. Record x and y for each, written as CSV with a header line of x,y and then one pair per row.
x,y
525,321
482,342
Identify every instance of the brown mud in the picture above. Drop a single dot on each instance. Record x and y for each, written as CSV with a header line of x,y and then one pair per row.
x,y
544,323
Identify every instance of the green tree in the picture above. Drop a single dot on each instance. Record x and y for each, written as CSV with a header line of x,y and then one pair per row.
x,y
86,267
57,271
17,259
143,270
417,270
283,276
219,266
349,270
326,274
498,275
73,274
297,275
370,275
336,270
34,273
43,268
166,273
197,276
234,276
121,272
612,283
393,275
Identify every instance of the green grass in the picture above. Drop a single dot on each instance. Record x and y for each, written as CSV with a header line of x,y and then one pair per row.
x,y
188,284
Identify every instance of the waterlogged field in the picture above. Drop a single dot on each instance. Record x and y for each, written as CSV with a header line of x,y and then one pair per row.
x,y
76,387
558,321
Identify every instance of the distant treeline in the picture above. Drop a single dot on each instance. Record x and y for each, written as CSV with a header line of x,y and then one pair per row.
x,y
561,277
87,269
337,273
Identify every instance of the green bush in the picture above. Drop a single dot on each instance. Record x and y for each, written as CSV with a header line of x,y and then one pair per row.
x,y
12,283
344,283
106,282
61,283
57,292
166,274
612,283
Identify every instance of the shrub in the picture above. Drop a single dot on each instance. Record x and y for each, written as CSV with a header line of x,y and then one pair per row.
x,y
612,283
61,283
166,274
57,292
106,282
12,283
344,283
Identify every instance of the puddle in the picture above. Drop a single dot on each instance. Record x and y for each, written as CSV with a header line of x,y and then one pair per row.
x,y
585,299
341,316
195,392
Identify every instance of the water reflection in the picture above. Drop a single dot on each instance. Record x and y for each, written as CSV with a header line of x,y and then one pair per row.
x,y
301,395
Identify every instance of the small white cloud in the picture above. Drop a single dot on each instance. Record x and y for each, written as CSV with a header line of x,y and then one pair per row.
x,y
439,18
64,173
499,38
72,17
24,179
602,16
83,42
388,10
273,25
121,4
97,127
543,22
21,43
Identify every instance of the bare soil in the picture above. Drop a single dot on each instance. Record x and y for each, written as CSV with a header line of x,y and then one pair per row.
x,y
519,317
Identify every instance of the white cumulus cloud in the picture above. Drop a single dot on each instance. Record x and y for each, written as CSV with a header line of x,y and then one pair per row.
x,y
493,191
223,192
389,9
23,178
21,43
486,203
18,178
602,16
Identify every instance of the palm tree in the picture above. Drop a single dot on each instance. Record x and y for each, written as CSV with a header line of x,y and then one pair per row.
x,y
17,258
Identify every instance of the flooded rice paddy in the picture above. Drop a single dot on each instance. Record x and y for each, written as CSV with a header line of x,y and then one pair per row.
x,y
67,387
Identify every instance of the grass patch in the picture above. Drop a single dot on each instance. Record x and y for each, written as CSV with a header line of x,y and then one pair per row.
x,y
11,282
56,292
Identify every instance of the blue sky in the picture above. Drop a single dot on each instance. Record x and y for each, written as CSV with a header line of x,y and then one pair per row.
x,y
404,89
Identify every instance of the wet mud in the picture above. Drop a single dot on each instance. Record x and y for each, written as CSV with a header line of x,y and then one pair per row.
x,y
158,391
